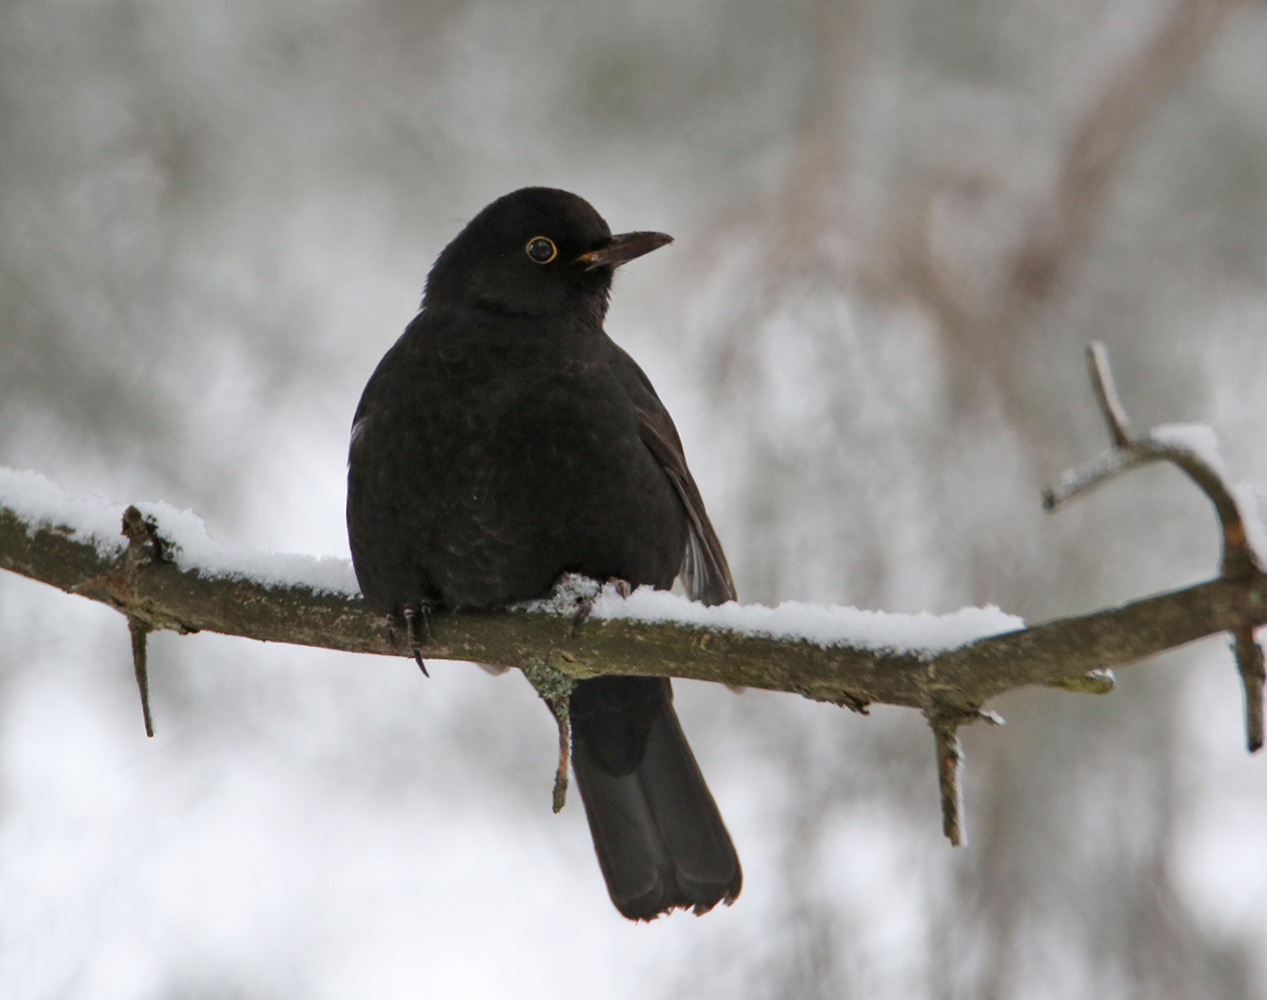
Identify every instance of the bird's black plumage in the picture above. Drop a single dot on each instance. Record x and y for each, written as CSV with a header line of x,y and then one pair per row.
x,y
506,440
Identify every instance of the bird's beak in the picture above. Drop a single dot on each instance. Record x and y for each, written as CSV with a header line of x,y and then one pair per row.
x,y
622,248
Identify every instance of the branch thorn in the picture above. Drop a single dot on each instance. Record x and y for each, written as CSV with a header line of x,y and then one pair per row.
x,y
140,665
555,688
949,770
1249,662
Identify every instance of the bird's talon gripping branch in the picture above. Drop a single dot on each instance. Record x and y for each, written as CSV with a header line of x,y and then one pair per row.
x,y
415,615
585,604
145,544
584,607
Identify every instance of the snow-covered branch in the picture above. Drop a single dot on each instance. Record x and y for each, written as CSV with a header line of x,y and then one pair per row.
x,y
183,580
159,567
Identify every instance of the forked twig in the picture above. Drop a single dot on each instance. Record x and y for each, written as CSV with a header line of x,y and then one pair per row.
x,y
1240,560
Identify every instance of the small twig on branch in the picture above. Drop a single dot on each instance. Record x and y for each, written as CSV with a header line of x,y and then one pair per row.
x,y
1249,661
145,547
949,768
1106,394
945,723
1092,682
555,689
140,665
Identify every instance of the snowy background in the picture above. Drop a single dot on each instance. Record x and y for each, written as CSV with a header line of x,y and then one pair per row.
x,y
216,216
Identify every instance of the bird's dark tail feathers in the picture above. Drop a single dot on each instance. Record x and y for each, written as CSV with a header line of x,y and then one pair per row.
x,y
660,839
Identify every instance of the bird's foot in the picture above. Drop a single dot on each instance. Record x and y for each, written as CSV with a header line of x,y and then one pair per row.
x,y
585,605
583,608
417,628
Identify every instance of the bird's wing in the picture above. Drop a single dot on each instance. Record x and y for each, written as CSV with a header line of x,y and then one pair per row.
x,y
705,572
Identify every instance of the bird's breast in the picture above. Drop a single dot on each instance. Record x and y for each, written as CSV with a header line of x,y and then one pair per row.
x,y
511,463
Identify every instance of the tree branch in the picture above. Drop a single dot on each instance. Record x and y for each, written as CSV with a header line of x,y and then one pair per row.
x,y
143,581
163,596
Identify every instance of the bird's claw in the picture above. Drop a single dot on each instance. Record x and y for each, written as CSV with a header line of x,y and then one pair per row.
x,y
411,616
585,606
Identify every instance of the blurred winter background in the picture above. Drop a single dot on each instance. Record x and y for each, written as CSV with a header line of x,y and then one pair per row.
x,y
898,223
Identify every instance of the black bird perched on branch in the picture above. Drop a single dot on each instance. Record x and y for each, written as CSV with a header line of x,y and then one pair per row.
x,y
506,440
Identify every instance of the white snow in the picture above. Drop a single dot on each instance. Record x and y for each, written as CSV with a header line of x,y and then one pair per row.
x,y
1199,439
1249,502
826,625
42,503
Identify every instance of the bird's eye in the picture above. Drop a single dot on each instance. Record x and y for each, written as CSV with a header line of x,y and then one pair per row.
x,y
541,249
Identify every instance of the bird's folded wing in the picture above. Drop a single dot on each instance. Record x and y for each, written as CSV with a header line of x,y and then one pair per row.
x,y
705,571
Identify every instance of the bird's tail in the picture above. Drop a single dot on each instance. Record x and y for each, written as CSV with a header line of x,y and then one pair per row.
x,y
660,839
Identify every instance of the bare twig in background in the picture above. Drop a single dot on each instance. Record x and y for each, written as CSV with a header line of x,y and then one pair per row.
x,y
977,330
1064,224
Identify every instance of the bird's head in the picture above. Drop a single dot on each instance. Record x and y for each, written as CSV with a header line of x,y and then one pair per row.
x,y
535,251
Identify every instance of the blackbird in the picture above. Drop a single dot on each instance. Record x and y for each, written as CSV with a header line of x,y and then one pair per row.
x,y
506,440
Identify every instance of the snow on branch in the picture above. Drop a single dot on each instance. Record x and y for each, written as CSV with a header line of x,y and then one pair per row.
x,y
159,567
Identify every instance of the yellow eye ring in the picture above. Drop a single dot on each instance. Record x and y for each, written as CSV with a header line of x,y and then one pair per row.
x,y
541,249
